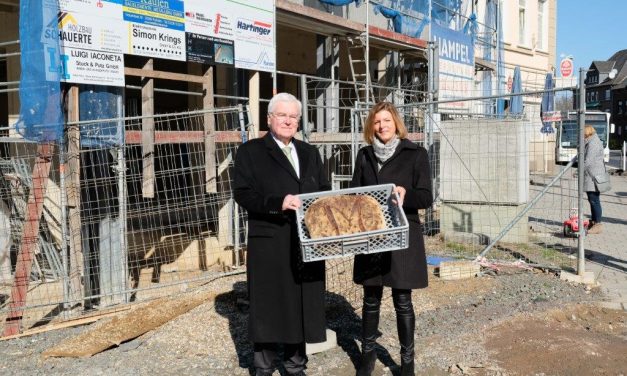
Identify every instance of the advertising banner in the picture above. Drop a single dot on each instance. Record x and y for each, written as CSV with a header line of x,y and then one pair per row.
x,y
92,67
89,32
209,50
100,8
457,66
168,14
236,33
147,40
254,36
91,49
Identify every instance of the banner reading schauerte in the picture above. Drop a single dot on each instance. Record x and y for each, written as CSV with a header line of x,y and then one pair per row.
x,y
91,38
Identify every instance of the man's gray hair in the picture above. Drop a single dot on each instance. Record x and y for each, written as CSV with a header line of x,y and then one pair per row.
x,y
284,97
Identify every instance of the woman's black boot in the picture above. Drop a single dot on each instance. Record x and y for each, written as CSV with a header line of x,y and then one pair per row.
x,y
405,324
369,331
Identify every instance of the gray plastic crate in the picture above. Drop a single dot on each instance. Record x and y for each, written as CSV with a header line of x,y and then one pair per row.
x,y
394,236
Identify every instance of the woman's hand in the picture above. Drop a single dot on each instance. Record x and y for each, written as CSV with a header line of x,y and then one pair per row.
x,y
291,202
400,191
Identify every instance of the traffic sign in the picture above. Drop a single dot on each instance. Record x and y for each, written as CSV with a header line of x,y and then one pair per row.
x,y
566,67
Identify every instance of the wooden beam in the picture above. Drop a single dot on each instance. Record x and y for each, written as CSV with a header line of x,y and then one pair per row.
x,y
30,236
253,100
83,320
148,132
183,137
73,178
210,127
147,72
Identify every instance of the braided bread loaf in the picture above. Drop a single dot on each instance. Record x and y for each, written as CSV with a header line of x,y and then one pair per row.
x,y
343,215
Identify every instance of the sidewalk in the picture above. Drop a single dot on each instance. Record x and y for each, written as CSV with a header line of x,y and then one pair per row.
x,y
606,253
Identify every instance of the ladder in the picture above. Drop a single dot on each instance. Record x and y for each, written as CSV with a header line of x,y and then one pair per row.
x,y
357,61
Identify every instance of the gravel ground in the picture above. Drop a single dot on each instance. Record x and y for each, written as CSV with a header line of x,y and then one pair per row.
x,y
211,339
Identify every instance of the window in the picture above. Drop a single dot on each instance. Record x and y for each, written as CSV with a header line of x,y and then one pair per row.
x,y
504,14
542,26
522,27
620,108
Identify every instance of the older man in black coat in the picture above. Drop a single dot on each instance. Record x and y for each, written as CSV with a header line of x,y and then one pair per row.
x,y
286,294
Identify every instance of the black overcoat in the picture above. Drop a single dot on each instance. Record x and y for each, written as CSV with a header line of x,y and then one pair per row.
x,y
408,167
286,295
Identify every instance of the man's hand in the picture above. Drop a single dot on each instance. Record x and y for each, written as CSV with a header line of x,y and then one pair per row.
x,y
291,202
400,191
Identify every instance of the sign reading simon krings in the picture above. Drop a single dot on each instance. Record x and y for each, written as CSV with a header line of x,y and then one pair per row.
x,y
239,33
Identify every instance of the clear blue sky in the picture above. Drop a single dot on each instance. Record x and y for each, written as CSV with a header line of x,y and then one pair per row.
x,y
590,30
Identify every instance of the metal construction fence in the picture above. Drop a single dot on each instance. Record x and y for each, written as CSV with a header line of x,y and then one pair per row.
x,y
96,222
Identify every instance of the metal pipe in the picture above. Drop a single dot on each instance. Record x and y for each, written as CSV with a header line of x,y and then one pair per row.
x,y
9,43
367,57
492,97
581,112
64,232
623,156
274,71
305,110
9,54
169,91
9,83
526,209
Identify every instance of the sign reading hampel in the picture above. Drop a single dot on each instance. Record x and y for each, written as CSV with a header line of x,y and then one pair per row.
x,y
457,66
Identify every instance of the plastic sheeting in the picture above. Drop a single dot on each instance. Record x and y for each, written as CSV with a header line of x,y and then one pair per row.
x,y
516,104
500,67
41,116
101,102
547,102
403,25
443,11
340,2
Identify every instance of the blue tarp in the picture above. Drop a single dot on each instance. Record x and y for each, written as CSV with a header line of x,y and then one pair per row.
x,y
547,102
500,69
443,11
516,104
41,116
403,25
340,2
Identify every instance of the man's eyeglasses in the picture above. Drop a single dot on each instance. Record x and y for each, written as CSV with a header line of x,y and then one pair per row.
x,y
283,116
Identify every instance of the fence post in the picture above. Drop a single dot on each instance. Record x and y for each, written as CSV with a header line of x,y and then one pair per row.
x,y
305,107
623,156
581,112
64,230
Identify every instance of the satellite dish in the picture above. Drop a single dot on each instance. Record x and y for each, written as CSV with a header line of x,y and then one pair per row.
x,y
612,74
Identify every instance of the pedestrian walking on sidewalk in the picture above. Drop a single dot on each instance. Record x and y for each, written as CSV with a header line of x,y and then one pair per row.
x,y
594,166
391,158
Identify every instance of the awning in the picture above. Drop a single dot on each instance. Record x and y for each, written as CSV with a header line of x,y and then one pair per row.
x,y
482,64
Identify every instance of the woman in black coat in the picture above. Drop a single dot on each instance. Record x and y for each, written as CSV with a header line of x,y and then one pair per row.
x,y
390,158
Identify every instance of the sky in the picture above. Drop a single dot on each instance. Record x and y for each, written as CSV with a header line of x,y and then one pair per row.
x,y
590,30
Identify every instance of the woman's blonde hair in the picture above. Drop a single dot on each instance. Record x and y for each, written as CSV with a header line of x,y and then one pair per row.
x,y
401,131
588,131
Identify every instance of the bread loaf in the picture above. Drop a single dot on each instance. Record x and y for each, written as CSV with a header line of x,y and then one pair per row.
x,y
343,215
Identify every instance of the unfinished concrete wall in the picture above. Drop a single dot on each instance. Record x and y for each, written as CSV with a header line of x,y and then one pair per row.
x,y
484,176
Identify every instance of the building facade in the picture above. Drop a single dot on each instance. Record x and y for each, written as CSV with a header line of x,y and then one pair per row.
x,y
606,90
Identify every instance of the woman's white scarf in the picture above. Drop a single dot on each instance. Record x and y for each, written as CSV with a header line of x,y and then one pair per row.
x,y
382,151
